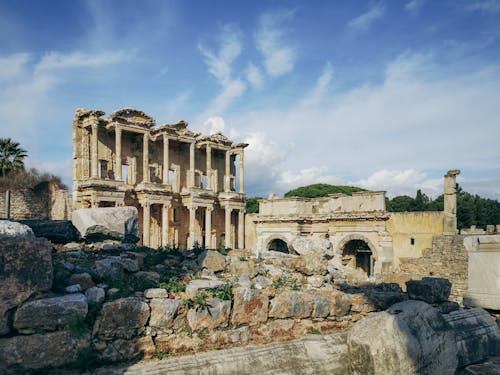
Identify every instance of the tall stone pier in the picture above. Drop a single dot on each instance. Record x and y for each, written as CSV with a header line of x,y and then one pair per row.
x,y
450,202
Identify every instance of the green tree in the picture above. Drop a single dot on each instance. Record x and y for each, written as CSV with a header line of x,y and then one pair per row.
x,y
321,190
252,205
11,157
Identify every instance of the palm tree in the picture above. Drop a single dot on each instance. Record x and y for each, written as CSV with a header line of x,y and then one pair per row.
x,y
11,157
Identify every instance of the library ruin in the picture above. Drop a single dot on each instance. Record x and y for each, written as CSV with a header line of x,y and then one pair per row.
x,y
188,188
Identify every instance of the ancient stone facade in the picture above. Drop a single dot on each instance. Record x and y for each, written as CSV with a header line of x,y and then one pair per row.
x,y
363,234
188,188
47,200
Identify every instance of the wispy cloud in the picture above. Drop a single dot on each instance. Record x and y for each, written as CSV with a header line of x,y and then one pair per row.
x,y
79,59
279,59
414,6
320,91
254,76
365,20
220,66
12,66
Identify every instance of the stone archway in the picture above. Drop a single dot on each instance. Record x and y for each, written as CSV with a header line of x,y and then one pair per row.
x,y
278,244
359,253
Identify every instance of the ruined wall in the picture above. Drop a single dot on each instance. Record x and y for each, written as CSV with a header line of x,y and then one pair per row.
x,y
250,231
419,226
447,258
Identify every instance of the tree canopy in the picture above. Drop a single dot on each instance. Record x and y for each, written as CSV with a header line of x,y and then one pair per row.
x,y
252,206
321,190
11,157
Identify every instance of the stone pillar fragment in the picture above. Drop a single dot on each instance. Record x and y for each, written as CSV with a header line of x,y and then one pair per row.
x,y
241,229
209,167
450,202
208,228
228,227
166,162
242,187
192,230
165,224
145,159
191,165
227,184
118,152
146,220
93,150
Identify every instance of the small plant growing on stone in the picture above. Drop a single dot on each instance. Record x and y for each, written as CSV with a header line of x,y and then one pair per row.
x,y
188,303
200,302
223,251
161,353
225,294
174,285
294,285
280,282
243,259
314,331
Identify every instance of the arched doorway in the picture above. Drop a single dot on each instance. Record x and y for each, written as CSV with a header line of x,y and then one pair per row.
x,y
357,254
278,245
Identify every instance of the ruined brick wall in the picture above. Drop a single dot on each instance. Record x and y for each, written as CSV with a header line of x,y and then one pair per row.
x,y
448,259
44,201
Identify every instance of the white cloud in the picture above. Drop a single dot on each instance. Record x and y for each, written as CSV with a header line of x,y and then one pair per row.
x,y
57,60
279,59
214,125
11,67
219,65
320,91
365,20
414,6
254,76
420,117
289,180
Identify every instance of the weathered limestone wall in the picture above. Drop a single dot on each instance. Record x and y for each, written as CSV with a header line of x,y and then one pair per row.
x,y
419,226
44,201
250,231
447,258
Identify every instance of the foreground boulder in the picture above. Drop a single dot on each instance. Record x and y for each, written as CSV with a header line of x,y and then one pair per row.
x,y
56,231
25,269
409,338
313,246
49,313
41,350
123,318
98,224
12,229
429,289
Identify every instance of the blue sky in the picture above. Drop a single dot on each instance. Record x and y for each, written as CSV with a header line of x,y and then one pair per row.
x,y
387,95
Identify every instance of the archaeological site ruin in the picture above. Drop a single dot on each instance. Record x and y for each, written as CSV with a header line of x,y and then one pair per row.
x,y
152,265
188,188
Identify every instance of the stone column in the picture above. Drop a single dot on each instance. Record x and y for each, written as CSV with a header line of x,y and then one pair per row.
x,y
242,179
191,165
208,227
192,219
93,151
118,152
228,227
145,158
227,184
241,229
164,224
450,202
166,162
146,219
209,167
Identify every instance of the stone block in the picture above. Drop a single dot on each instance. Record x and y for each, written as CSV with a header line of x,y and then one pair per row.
x,y
250,306
12,229
313,246
411,337
98,224
214,315
429,289
292,304
198,285
83,279
212,260
123,318
164,311
95,295
56,231
50,313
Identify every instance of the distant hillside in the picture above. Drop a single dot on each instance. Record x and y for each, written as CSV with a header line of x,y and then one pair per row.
x,y
321,190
